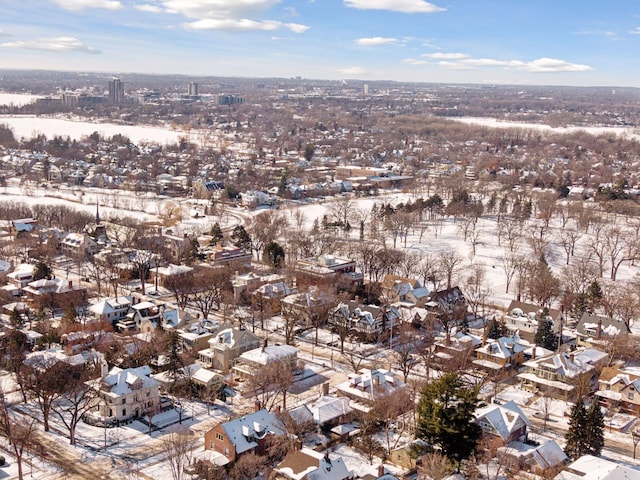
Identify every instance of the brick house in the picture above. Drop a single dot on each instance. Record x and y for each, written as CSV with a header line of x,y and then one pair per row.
x,y
249,433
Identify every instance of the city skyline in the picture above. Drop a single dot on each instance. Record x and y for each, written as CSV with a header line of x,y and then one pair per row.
x,y
453,41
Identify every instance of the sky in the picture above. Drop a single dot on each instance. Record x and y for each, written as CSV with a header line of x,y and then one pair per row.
x,y
541,42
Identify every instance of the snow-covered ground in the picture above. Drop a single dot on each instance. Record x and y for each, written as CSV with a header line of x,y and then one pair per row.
x,y
17,99
25,126
627,132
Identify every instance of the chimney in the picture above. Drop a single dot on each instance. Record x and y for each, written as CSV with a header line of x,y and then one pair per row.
x,y
325,388
599,330
356,299
326,457
533,352
70,283
104,369
380,470
571,357
256,406
264,345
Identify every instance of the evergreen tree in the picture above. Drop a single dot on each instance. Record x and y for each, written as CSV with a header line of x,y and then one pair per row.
x,y
241,238
16,319
41,270
446,414
216,234
576,437
273,254
595,428
496,328
545,336
594,296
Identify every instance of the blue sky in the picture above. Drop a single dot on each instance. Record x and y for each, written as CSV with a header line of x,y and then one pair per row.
x,y
559,42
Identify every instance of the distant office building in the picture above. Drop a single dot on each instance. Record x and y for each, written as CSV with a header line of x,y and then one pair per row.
x,y
365,89
230,100
70,99
116,90
194,89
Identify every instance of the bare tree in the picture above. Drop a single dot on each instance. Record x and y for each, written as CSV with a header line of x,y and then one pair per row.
x,y
18,430
77,398
435,466
568,239
210,285
449,263
270,381
343,211
178,446
509,264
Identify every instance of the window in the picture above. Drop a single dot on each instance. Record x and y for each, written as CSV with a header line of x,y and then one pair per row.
x,y
124,400
124,412
219,436
630,395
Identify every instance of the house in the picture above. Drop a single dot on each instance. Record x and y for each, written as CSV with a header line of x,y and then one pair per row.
x,y
399,289
21,276
307,464
55,292
502,424
541,460
249,433
367,321
78,244
458,349
364,387
522,319
589,467
327,269
594,330
225,346
326,411
500,357
448,301
247,283
619,390
111,309
252,361
163,275
559,374
224,255
123,395
310,307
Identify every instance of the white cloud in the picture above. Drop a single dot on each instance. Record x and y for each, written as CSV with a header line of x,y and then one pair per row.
x,y
81,4
244,24
413,61
57,44
352,71
230,15
540,65
446,56
554,65
635,31
148,8
404,6
375,41
600,33
219,9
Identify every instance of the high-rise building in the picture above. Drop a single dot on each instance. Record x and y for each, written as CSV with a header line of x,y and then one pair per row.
x,y
194,89
365,89
116,90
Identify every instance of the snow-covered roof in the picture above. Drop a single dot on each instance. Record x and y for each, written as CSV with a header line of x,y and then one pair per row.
x,y
243,431
309,464
269,353
110,305
589,467
505,419
45,359
329,407
122,382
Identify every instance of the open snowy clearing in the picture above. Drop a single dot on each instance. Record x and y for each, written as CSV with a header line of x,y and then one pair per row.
x,y
27,126
17,99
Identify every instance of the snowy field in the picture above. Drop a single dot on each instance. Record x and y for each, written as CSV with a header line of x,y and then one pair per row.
x,y
627,132
27,126
17,99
